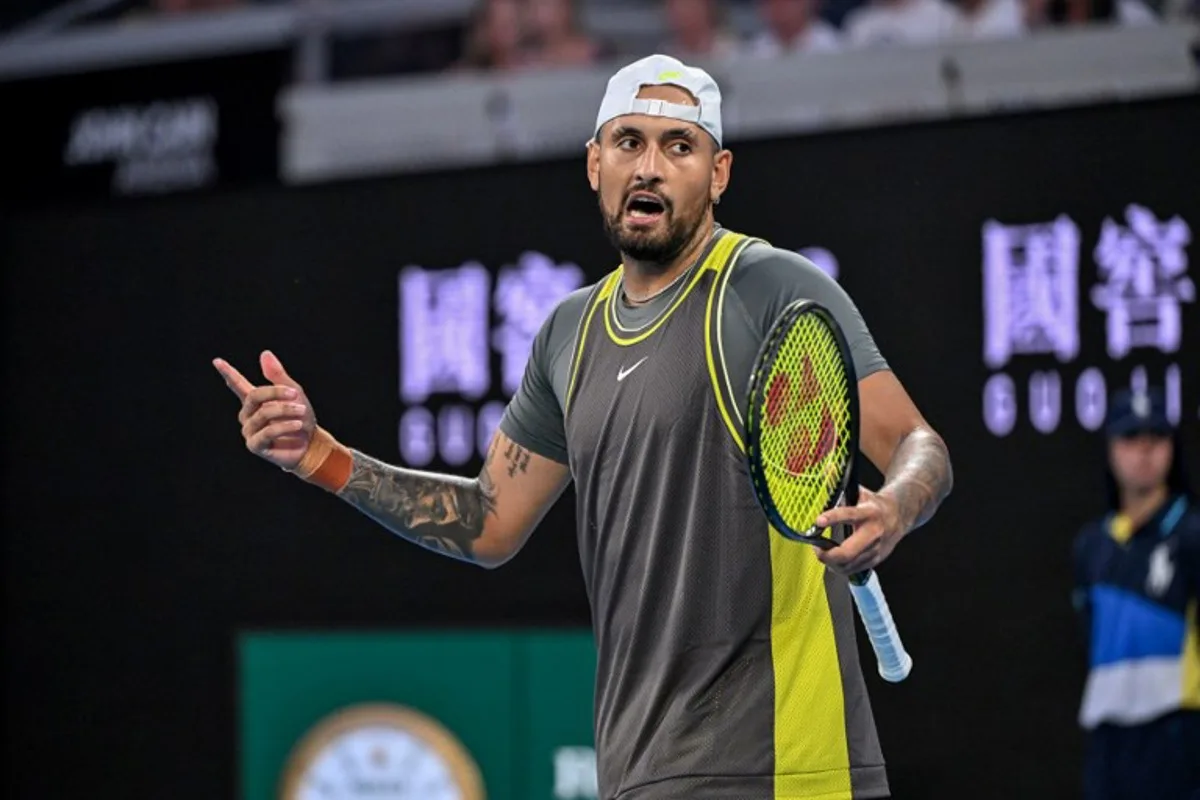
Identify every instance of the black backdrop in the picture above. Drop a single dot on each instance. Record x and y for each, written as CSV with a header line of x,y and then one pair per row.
x,y
140,537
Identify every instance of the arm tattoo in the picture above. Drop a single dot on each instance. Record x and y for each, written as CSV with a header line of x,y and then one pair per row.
x,y
516,456
442,513
919,477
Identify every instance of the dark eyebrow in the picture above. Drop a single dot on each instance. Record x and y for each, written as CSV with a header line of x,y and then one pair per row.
x,y
621,131
680,133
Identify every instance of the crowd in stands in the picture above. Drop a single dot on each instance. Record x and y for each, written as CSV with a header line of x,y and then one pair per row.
x,y
537,34
511,35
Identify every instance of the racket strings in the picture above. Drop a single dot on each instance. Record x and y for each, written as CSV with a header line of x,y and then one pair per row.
x,y
805,423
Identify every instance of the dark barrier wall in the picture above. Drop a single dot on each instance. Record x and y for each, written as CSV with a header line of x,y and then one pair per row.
x,y
141,538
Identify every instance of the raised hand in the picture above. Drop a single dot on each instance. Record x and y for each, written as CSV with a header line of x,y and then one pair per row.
x,y
277,420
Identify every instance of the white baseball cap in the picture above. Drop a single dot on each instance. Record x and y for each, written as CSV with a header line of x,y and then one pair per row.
x,y
621,97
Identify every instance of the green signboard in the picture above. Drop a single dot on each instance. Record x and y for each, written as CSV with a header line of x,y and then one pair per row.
x,y
392,716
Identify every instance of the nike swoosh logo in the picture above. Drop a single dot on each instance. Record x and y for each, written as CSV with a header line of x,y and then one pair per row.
x,y
623,373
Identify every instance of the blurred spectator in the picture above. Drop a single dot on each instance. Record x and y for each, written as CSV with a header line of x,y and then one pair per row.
x,y
903,22
990,19
555,34
793,26
698,30
496,36
1046,13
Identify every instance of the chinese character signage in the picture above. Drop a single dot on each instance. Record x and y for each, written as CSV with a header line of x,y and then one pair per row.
x,y
526,293
1143,269
464,340
1031,292
1031,307
443,332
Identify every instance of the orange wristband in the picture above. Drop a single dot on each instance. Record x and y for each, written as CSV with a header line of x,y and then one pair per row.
x,y
326,462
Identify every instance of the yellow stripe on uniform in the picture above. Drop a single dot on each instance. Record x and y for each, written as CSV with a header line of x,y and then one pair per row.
x,y
812,756
605,290
1190,695
723,271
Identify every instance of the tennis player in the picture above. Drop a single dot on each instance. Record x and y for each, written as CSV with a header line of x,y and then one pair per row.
x,y
1137,579
727,665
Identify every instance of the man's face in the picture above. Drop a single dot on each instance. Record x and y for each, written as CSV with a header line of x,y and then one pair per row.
x,y
1140,463
655,179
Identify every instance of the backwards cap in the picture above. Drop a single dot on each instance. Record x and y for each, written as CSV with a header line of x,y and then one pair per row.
x,y
621,97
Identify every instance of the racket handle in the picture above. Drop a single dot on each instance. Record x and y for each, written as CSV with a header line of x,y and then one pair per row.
x,y
894,662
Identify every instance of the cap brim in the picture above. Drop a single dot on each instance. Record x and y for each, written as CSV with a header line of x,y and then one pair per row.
x,y
1132,427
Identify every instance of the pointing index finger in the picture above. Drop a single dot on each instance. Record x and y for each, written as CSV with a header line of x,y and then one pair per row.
x,y
235,380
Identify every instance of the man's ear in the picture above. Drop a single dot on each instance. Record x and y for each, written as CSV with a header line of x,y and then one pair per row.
x,y
593,164
722,167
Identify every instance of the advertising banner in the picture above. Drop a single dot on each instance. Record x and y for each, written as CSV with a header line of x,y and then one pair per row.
x,y
147,130
430,715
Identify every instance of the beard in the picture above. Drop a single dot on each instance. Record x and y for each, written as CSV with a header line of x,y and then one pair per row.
x,y
655,247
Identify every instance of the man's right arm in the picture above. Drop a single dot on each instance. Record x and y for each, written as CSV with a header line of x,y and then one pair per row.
x,y
485,520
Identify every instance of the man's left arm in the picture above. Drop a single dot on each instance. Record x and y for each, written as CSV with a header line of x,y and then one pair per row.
x,y
917,474
911,455
892,432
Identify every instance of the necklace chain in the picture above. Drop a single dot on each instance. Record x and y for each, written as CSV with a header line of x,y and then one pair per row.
x,y
644,300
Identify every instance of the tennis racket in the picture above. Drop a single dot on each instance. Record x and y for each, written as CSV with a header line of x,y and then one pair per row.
x,y
802,449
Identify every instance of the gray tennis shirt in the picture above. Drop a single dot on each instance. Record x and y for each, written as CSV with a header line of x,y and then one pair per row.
x,y
726,659
765,280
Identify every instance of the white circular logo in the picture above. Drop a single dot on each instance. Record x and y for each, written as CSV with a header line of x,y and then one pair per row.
x,y
382,752
1141,405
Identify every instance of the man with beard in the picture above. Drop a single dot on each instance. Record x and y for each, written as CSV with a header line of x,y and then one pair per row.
x,y
727,665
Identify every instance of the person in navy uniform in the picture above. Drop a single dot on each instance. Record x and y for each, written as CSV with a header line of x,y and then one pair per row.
x,y
1137,581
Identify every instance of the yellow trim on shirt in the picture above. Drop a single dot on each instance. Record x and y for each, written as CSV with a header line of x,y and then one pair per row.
x,y
724,269
606,289
715,256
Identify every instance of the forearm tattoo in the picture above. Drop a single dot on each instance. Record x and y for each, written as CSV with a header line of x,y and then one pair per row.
x,y
443,513
919,477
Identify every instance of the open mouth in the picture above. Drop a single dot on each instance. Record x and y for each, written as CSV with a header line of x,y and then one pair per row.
x,y
644,206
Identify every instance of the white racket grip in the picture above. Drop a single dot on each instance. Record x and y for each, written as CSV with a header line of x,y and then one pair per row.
x,y
894,662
